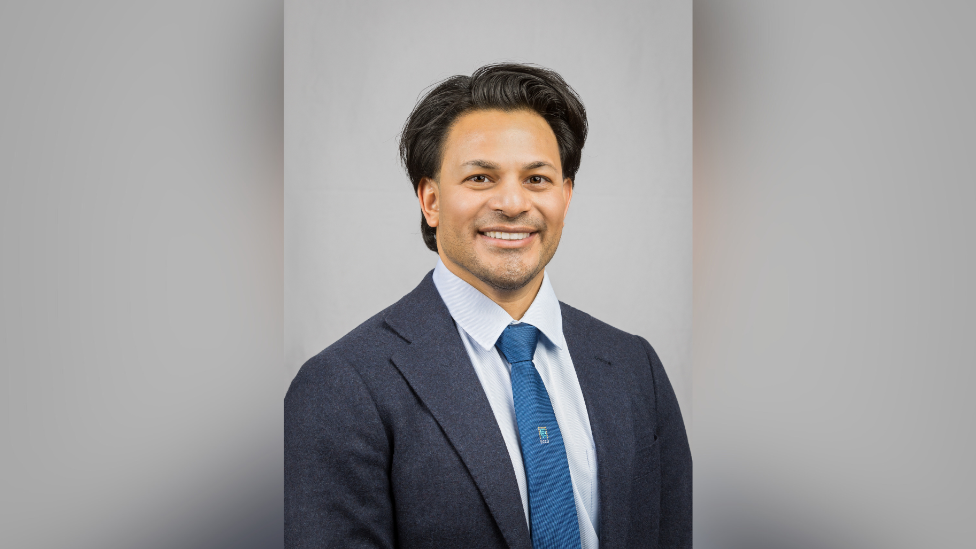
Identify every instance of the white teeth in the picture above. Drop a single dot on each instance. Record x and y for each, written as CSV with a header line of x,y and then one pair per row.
x,y
507,236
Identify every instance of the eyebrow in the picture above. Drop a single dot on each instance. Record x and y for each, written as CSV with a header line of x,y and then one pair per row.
x,y
486,165
538,164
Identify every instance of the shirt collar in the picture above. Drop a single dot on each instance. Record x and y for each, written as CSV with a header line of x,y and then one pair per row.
x,y
484,320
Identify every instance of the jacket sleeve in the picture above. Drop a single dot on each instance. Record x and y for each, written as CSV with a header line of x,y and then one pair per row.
x,y
337,456
676,511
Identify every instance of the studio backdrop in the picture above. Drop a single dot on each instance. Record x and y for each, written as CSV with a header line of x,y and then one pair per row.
x,y
353,72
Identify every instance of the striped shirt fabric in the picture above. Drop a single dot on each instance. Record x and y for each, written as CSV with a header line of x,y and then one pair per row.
x,y
480,321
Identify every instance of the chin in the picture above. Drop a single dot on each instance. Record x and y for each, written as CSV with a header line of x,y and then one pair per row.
x,y
503,270
508,277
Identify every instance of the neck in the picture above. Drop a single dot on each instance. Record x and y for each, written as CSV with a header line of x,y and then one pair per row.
x,y
515,302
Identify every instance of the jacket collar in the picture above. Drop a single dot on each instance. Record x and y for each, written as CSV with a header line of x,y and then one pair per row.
x,y
605,380
438,369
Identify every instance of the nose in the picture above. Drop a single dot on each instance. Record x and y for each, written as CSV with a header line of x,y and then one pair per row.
x,y
510,198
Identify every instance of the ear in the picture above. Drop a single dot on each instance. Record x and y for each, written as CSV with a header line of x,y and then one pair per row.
x,y
567,196
428,193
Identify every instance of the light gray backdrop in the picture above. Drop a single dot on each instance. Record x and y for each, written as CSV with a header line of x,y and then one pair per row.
x,y
141,232
834,274
353,71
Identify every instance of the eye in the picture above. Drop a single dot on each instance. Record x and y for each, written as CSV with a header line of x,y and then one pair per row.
x,y
538,179
478,178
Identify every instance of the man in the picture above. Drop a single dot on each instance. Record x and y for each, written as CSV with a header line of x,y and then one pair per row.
x,y
479,411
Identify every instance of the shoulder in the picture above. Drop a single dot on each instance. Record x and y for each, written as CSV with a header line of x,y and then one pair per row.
x,y
366,346
595,333
587,323
340,365
630,354
593,337
362,358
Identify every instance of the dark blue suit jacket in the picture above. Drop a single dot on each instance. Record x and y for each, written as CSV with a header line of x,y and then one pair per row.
x,y
390,440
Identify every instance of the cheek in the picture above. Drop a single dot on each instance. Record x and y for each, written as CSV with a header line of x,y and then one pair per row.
x,y
554,211
460,211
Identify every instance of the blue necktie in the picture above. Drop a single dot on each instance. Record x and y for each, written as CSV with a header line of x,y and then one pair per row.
x,y
552,510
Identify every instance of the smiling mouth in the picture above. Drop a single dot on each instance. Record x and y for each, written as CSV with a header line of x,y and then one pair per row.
x,y
506,236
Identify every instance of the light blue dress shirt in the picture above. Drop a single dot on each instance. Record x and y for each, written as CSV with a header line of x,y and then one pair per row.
x,y
479,322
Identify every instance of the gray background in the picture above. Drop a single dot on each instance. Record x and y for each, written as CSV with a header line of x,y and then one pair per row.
x,y
353,72
834,269
141,225
141,265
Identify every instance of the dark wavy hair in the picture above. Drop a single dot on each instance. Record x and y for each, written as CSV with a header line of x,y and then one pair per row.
x,y
503,86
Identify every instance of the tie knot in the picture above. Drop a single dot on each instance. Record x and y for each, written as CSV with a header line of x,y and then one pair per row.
x,y
517,342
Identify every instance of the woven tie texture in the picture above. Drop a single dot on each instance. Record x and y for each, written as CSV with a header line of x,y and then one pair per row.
x,y
552,510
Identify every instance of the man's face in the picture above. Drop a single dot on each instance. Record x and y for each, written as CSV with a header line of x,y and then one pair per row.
x,y
500,200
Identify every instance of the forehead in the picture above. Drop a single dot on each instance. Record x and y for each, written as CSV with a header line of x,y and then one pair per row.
x,y
517,136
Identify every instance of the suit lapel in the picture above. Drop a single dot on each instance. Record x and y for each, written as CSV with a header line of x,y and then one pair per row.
x,y
604,389
438,369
